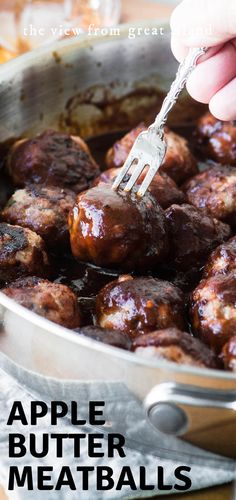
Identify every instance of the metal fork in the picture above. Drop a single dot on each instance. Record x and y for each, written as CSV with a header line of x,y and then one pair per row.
x,y
149,149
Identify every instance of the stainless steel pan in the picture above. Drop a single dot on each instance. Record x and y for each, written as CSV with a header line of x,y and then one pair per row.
x,y
89,86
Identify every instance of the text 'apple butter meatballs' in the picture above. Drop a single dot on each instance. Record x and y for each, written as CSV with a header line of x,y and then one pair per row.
x,y
52,301
193,235
179,163
22,252
214,191
213,310
54,159
217,139
117,229
173,345
222,260
44,210
140,305
162,188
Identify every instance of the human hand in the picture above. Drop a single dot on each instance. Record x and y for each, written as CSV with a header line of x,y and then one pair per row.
x,y
209,23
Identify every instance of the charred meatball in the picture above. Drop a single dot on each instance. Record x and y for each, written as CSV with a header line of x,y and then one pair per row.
x,y
193,236
228,355
140,305
54,159
163,188
115,338
173,345
213,310
52,301
222,260
44,210
214,191
179,163
217,139
22,252
117,229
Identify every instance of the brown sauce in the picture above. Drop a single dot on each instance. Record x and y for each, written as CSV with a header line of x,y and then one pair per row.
x,y
84,279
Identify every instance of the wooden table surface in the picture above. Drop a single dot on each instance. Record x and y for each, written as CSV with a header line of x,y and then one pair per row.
x,y
137,10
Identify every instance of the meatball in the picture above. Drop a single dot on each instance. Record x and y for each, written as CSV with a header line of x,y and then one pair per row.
x,y
22,252
214,191
179,163
52,301
163,188
193,236
140,305
118,153
228,354
54,159
115,338
117,229
44,210
174,345
213,310
217,139
222,260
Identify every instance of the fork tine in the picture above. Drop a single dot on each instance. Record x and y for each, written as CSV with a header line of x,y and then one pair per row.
x,y
135,175
147,181
123,172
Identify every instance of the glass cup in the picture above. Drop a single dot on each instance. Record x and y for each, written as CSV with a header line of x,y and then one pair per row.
x,y
27,24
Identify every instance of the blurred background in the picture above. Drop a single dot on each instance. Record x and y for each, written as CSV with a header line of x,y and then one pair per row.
x,y
28,24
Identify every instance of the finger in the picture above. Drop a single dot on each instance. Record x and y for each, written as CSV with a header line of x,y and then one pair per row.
x,y
223,104
202,23
180,51
213,74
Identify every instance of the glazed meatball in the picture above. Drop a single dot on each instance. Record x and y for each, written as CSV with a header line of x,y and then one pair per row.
x,y
115,338
222,260
174,345
44,210
163,188
228,355
22,252
117,229
54,159
140,305
52,301
179,163
118,153
193,236
217,139
214,191
213,310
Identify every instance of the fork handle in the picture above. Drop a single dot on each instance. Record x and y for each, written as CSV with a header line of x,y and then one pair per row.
x,y
184,71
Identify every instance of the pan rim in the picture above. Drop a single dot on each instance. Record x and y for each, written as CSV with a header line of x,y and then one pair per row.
x,y
81,42
48,326
8,71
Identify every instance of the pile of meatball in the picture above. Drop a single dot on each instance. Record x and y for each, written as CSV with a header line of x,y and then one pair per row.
x,y
174,249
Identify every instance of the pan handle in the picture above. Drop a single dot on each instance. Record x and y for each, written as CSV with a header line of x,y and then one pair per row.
x,y
203,417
